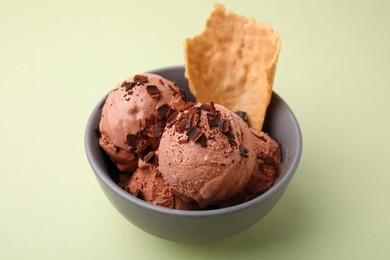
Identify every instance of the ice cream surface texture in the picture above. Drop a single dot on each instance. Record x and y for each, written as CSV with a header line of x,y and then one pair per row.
x,y
134,116
207,155
147,183
267,169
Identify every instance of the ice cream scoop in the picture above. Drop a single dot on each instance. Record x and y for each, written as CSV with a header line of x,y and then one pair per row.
x,y
266,171
147,183
206,153
134,116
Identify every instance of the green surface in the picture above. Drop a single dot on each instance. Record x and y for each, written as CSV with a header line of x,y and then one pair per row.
x,y
58,58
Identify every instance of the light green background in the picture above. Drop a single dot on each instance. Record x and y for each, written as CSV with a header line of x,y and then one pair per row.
x,y
58,58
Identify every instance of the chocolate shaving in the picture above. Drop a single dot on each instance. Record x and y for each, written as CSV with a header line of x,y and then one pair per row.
x,y
152,119
153,91
170,112
183,94
141,79
194,134
212,108
172,119
181,124
224,126
144,133
147,122
139,194
161,82
117,149
213,119
232,142
205,107
143,152
162,111
131,140
242,115
195,120
243,151
189,121
150,157
128,85
202,140
172,88
158,132
188,105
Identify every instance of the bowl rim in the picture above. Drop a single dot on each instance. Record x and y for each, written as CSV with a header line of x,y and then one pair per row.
x,y
106,179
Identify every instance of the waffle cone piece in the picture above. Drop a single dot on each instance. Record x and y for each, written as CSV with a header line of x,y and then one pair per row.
x,y
233,62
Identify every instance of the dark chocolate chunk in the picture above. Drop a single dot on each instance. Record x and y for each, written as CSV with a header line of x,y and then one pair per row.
x,y
194,134
189,121
158,132
243,151
202,140
232,142
145,150
172,88
153,91
128,85
144,132
188,105
224,126
141,79
183,94
147,122
212,108
131,140
195,120
243,116
117,149
162,111
152,119
181,124
148,158
205,107
139,194
213,119
170,112
172,118
161,82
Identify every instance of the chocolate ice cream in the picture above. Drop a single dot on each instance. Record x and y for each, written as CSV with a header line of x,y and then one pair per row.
x,y
180,155
268,166
134,116
147,183
207,154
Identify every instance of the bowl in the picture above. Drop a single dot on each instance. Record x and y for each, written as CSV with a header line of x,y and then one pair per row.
x,y
206,225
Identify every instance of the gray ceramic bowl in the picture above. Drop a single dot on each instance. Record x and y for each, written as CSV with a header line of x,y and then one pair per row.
x,y
199,226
